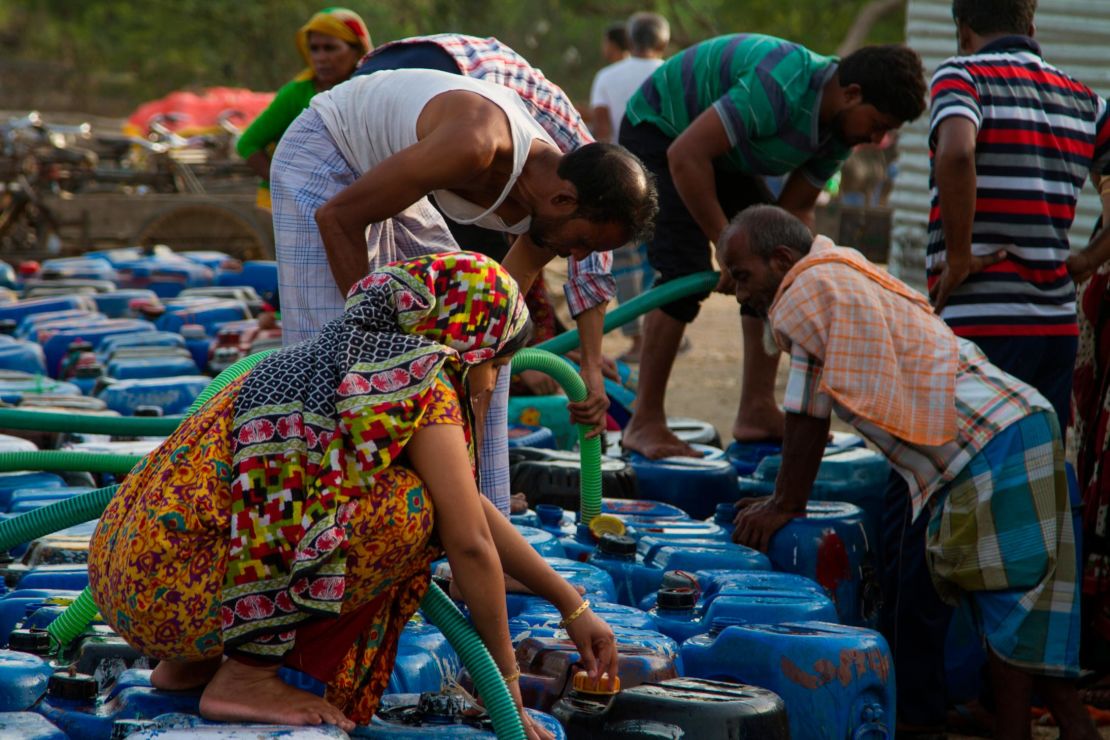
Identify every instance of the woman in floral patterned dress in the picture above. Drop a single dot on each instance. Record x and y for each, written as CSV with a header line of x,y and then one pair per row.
x,y
292,520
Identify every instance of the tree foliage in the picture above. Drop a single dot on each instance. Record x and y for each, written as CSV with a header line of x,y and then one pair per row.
x,y
116,53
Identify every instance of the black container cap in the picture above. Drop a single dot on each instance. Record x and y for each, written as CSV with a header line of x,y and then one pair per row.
x,y
79,345
724,514
75,687
677,598
7,326
616,544
148,411
36,642
86,372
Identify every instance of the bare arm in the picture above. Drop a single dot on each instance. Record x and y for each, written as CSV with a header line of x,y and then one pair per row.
x,y
602,127
525,260
802,448
259,162
449,156
438,455
954,171
1082,265
799,197
592,636
690,158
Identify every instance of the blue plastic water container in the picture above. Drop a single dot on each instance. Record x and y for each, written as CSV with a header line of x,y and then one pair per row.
x,y
836,681
829,546
211,313
117,304
425,660
210,258
415,716
694,485
746,456
258,274
637,568
173,395
16,311
23,680
74,704
22,356
166,339
30,326
83,268
856,475
166,276
70,545
56,345
16,605
14,387
522,435
543,614
597,584
186,727
10,482
28,726
547,658
681,614
132,368
7,276
72,577
25,499
543,542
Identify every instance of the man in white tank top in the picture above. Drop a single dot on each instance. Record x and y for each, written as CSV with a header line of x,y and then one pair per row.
x,y
351,177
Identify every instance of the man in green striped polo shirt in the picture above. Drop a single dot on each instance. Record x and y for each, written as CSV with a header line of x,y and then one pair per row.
x,y
711,123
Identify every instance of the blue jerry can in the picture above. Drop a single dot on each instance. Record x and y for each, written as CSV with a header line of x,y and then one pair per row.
x,y
837,681
829,545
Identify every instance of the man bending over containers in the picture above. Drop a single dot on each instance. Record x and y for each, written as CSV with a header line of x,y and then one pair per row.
x,y
710,123
349,183
979,449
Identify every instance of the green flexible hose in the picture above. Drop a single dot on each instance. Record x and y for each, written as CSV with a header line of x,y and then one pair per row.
x,y
88,462
59,515
534,358
124,426
700,282
131,426
442,612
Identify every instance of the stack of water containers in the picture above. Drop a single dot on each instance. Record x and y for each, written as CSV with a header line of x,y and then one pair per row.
x,y
716,640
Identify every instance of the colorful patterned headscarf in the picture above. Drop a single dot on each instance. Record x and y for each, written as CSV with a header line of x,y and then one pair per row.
x,y
343,24
315,422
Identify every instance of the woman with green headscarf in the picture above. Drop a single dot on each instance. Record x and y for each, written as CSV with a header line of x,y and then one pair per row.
x,y
290,521
331,43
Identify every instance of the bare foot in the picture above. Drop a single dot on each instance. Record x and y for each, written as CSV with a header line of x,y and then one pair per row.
x,y
173,675
242,693
655,441
765,424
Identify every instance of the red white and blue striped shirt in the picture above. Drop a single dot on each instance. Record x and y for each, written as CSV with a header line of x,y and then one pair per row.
x,y
590,282
1040,134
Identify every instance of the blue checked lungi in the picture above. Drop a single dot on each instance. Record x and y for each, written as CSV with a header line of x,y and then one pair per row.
x,y
307,171
1001,543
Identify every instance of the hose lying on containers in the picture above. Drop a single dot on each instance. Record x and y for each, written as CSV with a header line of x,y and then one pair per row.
x,y
589,449
30,525
88,506
124,426
699,282
442,612
131,426
73,460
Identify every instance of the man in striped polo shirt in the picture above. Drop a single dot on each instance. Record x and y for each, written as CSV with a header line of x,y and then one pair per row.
x,y
710,124
1013,139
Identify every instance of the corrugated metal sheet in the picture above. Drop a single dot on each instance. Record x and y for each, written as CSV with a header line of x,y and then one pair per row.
x,y
1075,36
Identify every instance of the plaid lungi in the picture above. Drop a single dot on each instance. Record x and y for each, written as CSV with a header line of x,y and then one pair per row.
x,y
1001,543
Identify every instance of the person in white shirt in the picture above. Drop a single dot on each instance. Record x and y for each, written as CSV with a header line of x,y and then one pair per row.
x,y
648,36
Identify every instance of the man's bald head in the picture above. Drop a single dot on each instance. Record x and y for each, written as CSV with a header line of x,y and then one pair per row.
x,y
757,249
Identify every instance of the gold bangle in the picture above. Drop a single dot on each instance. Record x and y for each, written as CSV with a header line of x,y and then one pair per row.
x,y
514,676
565,622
